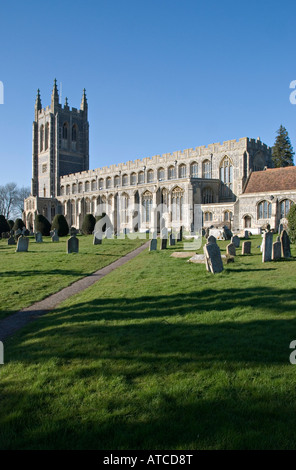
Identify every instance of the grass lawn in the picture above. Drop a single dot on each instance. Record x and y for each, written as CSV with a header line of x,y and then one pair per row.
x,y
47,268
159,354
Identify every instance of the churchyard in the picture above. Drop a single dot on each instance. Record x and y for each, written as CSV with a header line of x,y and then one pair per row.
x,y
160,354
47,268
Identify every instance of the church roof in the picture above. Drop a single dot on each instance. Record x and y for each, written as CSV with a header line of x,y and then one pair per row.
x,y
272,179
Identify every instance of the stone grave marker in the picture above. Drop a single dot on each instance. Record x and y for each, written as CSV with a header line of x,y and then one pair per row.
x,y
230,249
211,239
213,258
73,244
246,234
285,242
18,233
266,247
276,250
153,244
180,234
172,240
55,237
11,240
246,248
236,241
38,237
22,244
163,243
97,238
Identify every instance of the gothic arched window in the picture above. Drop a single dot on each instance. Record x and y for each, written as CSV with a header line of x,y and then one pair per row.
x,y
160,174
194,170
41,137
264,210
226,177
206,169
171,172
147,205
182,171
133,179
208,216
177,203
285,206
150,176
74,133
207,196
46,135
124,208
65,131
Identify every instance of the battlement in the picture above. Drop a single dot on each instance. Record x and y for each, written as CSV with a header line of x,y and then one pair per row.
x,y
178,156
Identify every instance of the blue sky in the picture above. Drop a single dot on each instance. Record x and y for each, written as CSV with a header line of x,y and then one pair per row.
x,y
160,75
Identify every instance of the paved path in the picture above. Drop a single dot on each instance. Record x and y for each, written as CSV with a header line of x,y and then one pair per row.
x,y
18,320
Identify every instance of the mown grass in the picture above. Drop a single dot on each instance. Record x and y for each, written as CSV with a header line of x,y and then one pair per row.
x,y
47,268
159,354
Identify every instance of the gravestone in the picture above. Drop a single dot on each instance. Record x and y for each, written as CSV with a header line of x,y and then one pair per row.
x,y
213,258
236,241
180,235
211,239
230,249
153,244
172,240
11,240
38,237
73,244
163,243
276,250
97,238
22,244
281,227
55,237
227,233
266,247
246,248
246,234
285,242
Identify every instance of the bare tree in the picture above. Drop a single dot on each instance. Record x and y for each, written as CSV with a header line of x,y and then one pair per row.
x,y
12,200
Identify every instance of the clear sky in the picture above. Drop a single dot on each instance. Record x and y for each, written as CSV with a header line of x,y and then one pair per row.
x,y
160,75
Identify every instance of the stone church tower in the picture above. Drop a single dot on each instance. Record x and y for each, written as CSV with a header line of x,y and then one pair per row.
x,y
60,147
60,143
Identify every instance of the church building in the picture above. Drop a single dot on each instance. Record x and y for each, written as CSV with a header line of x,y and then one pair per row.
x,y
230,184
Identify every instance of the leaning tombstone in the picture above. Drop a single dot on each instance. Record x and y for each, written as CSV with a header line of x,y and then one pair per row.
x,y
285,242
22,244
73,244
97,238
55,237
153,244
267,247
38,237
230,249
236,241
214,262
212,239
246,248
276,249
11,240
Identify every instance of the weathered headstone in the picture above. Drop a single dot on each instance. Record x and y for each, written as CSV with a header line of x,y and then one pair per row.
x,y
73,244
55,237
172,240
211,239
276,250
38,237
153,244
163,243
230,249
285,241
11,240
236,241
246,248
214,262
180,234
246,234
97,238
266,247
22,244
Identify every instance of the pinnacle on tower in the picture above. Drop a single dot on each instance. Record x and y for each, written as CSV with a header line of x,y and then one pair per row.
x,y
83,105
66,103
38,105
55,95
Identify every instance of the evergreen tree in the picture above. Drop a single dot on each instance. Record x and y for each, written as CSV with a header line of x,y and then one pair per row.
x,y
42,225
88,225
18,224
4,227
292,223
59,222
282,151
